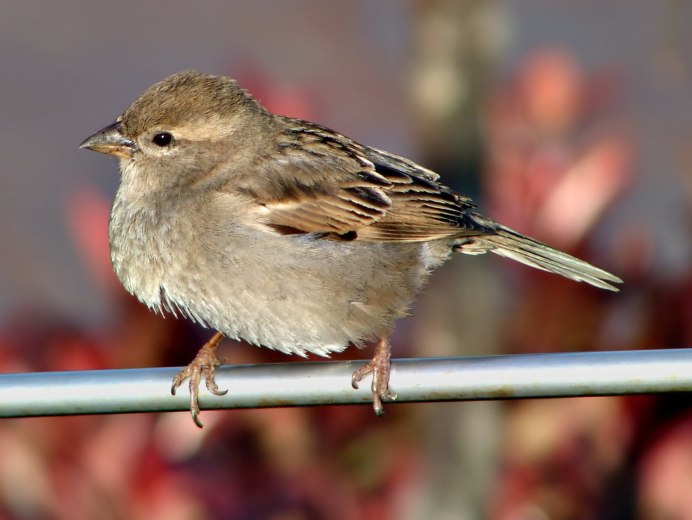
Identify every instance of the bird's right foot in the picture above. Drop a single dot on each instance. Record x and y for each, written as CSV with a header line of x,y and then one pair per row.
x,y
203,366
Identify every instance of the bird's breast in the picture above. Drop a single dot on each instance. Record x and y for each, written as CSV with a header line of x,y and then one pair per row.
x,y
147,241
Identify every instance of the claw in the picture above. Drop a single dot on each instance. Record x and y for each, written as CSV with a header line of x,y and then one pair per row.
x,y
203,366
380,367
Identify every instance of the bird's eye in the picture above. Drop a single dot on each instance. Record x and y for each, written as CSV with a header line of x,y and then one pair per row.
x,y
162,139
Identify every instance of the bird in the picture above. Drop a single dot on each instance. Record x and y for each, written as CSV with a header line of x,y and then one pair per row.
x,y
282,232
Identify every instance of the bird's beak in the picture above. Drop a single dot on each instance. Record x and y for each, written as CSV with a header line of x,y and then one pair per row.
x,y
110,140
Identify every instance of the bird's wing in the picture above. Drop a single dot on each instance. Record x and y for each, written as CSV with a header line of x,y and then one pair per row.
x,y
322,182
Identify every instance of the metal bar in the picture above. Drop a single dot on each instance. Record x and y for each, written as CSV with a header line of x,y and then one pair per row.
x,y
307,383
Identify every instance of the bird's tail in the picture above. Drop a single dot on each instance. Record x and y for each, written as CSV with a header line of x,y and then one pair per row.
x,y
506,242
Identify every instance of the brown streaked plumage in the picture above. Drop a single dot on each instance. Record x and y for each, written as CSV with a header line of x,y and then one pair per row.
x,y
283,232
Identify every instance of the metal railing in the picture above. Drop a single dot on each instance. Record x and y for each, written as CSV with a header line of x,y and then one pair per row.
x,y
309,383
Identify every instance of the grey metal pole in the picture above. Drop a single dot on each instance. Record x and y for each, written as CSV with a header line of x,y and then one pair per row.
x,y
307,383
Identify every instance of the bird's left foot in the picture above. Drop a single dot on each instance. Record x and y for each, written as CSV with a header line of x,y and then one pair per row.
x,y
203,366
380,367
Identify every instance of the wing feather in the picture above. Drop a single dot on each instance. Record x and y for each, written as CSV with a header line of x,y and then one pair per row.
x,y
319,181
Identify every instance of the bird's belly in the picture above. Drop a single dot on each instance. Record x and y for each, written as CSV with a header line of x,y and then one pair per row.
x,y
299,294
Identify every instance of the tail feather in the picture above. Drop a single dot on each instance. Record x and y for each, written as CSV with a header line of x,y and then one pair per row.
x,y
506,242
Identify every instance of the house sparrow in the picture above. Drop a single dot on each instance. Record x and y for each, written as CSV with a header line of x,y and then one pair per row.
x,y
282,232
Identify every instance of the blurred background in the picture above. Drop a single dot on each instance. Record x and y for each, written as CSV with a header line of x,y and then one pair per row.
x,y
570,122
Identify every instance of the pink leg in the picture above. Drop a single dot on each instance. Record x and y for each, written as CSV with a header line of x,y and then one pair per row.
x,y
203,366
380,368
